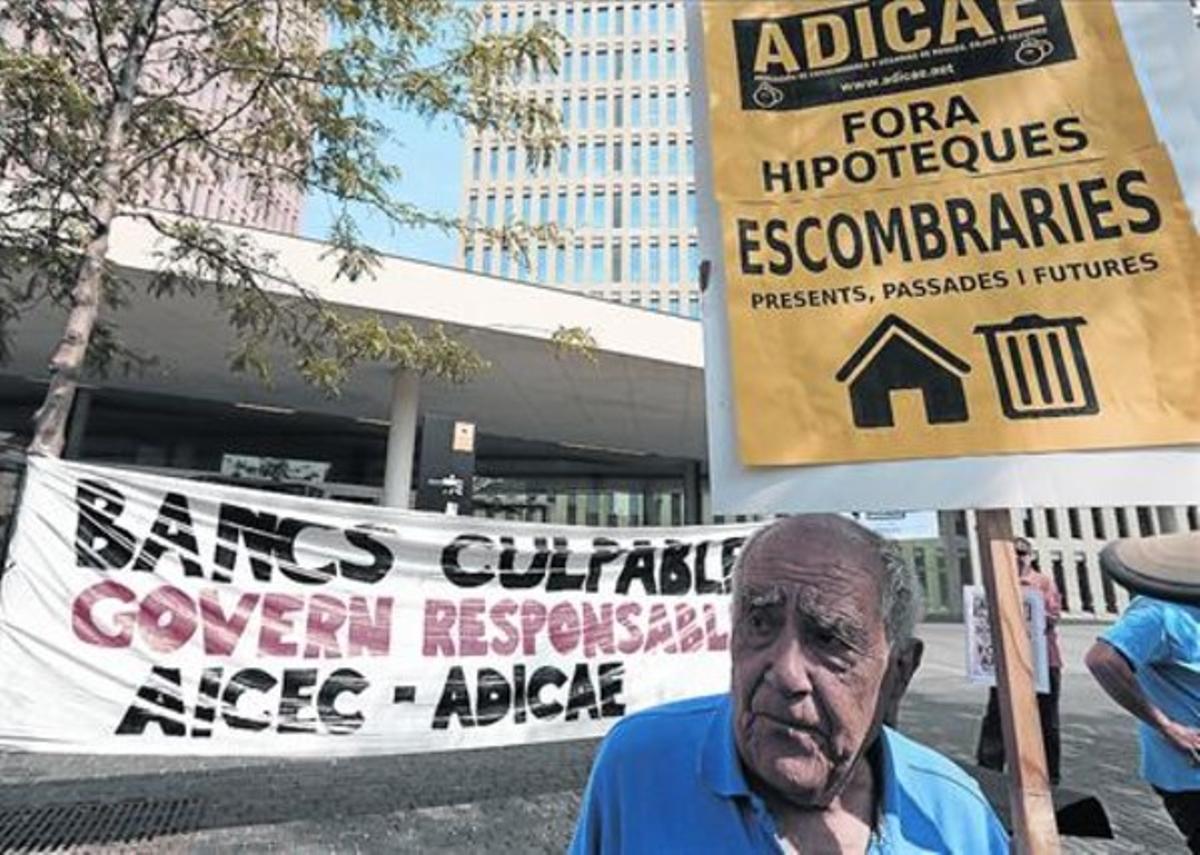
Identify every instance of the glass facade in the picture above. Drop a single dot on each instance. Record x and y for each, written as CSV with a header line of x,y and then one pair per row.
x,y
599,274
599,208
582,501
628,158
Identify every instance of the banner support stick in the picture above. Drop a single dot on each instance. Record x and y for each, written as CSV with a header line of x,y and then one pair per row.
x,y
1035,830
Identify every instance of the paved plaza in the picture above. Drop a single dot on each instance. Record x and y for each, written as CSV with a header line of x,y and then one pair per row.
x,y
521,799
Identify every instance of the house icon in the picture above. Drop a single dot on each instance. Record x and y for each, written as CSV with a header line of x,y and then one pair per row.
x,y
897,355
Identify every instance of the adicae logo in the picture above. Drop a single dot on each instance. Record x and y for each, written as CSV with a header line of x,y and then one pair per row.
x,y
767,96
1033,51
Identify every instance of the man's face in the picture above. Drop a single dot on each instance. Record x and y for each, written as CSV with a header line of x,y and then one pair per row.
x,y
810,657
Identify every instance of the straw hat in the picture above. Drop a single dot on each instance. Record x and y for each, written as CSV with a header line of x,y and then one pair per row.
x,y
1167,566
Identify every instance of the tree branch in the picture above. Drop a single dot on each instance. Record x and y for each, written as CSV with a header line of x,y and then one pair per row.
x,y
196,135
101,50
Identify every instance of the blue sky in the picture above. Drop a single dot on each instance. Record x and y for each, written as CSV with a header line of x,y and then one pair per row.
x,y
430,153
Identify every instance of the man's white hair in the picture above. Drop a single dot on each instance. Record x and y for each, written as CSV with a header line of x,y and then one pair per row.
x,y
900,592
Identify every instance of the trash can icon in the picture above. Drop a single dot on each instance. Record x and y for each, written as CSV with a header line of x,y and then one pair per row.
x,y
1040,367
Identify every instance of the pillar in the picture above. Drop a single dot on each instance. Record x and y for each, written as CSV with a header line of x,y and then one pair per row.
x,y
1167,519
691,493
77,425
402,439
1073,593
973,553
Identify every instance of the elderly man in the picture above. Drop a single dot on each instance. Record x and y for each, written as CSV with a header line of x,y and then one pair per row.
x,y
797,757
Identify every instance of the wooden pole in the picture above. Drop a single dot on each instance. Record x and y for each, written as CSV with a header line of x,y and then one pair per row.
x,y
1034,827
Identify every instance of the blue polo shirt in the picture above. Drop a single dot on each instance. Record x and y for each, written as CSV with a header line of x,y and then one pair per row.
x,y
1161,640
669,780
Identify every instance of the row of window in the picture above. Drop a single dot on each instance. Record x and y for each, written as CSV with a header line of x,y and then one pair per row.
x,y
668,155
672,304
1053,564
231,201
587,19
618,64
583,501
602,65
666,109
1149,522
597,263
655,208
939,600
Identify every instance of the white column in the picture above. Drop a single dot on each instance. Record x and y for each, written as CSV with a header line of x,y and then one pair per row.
x,y
1167,519
1072,579
973,546
402,437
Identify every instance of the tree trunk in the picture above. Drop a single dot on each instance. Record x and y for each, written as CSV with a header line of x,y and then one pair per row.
x,y
66,362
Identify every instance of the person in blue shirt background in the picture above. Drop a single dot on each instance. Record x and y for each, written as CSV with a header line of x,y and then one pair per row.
x,y
798,756
1149,663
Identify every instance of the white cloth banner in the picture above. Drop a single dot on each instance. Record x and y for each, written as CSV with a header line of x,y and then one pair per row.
x,y
142,614
981,652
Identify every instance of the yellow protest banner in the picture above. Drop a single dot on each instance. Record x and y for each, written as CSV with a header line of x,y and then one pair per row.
x,y
1033,311
829,96
948,230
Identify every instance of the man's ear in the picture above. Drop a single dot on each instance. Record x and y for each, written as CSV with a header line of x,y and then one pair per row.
x,y
904,665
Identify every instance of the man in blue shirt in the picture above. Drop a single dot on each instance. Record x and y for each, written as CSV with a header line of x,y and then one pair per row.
x,y
1149,663
796,758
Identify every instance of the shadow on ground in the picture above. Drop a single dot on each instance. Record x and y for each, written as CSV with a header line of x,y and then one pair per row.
x,y
128,808
522,798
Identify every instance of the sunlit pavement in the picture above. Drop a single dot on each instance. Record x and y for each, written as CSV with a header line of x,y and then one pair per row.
x,y
1099,741
525,798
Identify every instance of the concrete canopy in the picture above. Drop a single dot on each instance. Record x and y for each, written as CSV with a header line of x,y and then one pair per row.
x,y
644,394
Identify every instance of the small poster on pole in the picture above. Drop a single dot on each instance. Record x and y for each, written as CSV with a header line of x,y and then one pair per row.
x,y
981,657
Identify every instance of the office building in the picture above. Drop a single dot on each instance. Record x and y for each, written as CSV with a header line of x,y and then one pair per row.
x,y
560,438
621,188
226,192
